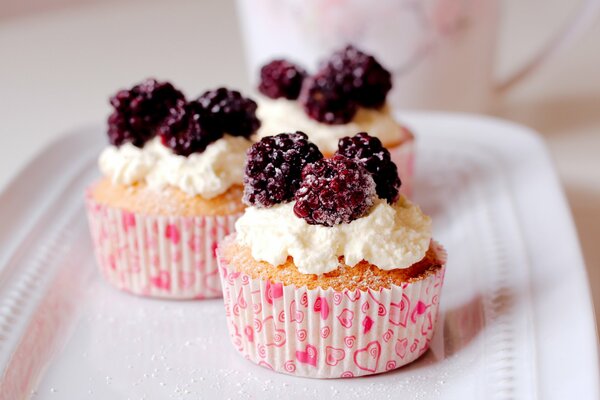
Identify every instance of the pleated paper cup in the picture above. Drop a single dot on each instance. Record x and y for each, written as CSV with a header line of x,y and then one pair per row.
x,y
323,333
158,256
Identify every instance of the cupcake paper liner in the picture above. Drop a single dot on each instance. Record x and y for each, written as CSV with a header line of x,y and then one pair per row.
x,y
323,333
403,157
158,256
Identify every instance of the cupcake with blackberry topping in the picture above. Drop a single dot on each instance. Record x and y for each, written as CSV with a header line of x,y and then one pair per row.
x,y
331,272
347,94
171,188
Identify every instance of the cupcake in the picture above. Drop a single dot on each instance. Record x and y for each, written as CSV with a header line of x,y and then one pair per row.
x,y
346,95
333,274
171,188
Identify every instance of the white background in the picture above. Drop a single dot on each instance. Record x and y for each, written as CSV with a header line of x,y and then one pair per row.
x,y
61,59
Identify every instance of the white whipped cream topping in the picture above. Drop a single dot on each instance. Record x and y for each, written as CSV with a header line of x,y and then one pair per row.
x,y
390,237
282,115
208,174
128,164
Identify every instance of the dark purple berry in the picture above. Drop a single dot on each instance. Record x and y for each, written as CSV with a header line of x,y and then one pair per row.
x,y
281,78
274,168
231,112
187,129
376,159
360,76
325,102
138,112
334,191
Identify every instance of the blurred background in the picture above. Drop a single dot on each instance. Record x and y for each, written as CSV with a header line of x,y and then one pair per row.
x,y
61,59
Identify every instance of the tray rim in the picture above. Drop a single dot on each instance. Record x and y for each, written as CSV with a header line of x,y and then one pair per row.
x,y
551,363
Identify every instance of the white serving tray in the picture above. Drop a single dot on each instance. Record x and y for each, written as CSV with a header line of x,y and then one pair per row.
x,y
516,321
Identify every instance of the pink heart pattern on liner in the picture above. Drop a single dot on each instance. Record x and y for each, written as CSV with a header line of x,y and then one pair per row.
x,y
179,261
295,314
322,306
172,233
367,358
333,356
273,291
399,311
331,334
401,346
162,281
308,356
367,324
346,317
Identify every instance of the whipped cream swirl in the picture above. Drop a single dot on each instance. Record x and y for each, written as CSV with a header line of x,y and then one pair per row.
x,y
207,174
282,115
128,164
390,237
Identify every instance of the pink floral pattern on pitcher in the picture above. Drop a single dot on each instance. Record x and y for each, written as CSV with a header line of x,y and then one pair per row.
x,y
327,334
158,256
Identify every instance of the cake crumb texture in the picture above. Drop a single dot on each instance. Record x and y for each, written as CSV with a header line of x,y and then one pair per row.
x,y
140,198
362,276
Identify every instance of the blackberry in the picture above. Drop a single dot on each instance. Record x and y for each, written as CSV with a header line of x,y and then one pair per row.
x,y
360,76
281,78
376,159
139,111
274,167
230,111
188,129
333,191
325,102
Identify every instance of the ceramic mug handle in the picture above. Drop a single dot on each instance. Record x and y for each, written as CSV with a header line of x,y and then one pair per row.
x,y
584,17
